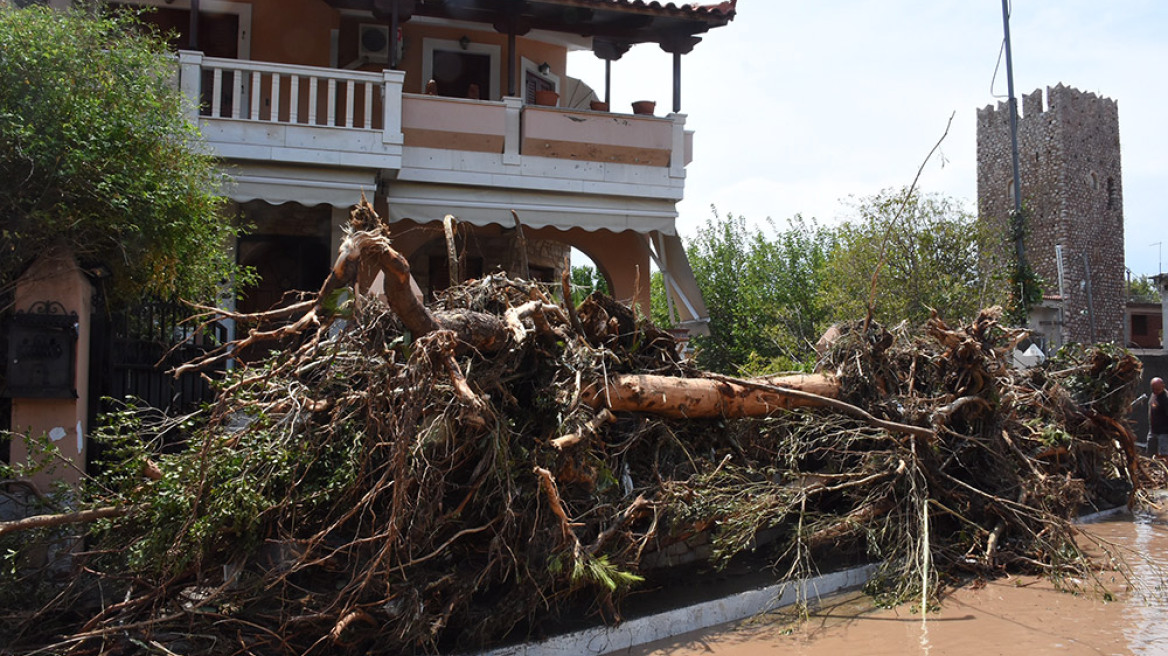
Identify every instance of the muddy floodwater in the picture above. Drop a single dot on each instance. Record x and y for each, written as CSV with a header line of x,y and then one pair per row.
x,y
1012,616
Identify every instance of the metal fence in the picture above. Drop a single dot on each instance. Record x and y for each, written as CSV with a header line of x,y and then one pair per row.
x,y
133,354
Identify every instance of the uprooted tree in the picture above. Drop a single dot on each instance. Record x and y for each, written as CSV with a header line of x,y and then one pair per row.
x,y
398,477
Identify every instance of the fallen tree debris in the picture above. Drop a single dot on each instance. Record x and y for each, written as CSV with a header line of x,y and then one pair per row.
x,y
399,478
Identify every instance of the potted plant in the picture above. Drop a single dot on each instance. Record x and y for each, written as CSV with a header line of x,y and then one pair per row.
x,y
547,98
644,107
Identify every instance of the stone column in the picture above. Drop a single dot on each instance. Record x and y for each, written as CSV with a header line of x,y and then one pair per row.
x,y
53,289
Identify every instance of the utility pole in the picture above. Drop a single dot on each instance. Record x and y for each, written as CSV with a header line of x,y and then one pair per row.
x,y
1019,243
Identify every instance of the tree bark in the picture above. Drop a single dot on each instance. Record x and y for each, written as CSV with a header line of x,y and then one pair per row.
x,y
371,246
451,251
45,521
704,398
718,396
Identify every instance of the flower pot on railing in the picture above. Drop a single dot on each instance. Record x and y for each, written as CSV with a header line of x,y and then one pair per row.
x,y
598,106
547,98
646,107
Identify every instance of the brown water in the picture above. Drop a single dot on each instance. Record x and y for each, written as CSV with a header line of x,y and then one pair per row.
x,y
1017,616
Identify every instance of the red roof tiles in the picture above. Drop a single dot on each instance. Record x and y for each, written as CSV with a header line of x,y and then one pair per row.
x,y
723,10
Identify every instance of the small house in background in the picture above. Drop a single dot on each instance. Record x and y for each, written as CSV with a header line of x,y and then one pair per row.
x,y
436,107
1145,325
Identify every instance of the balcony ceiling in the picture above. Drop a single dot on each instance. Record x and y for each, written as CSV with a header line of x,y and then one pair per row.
x,y
619,21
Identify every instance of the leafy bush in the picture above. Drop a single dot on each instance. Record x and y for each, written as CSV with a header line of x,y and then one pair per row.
x,y
97,155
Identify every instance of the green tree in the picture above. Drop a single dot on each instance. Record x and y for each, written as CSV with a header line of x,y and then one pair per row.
x,y
762,293
658,303
926,251
585,280
96,155
1141,289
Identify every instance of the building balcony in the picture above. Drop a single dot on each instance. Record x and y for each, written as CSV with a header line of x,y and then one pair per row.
x,y
340,131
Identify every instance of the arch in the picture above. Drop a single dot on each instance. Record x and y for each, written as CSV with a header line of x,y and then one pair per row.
x,y
599,270
621,257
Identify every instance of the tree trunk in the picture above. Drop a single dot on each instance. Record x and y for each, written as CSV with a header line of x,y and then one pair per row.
x,y
481,331
703,398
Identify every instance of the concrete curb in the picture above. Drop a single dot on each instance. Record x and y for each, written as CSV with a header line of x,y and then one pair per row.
x,y
608,639
1101,515
602,640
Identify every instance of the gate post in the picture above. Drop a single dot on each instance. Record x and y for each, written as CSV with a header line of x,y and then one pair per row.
x,y
50,389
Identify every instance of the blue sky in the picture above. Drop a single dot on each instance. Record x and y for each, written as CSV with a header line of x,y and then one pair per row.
x,y
797,105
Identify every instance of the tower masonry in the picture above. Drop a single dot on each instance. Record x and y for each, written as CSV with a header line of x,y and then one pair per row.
x,y
1072,187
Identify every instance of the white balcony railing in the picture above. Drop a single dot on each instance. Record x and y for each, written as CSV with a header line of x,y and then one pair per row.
x,y
283,94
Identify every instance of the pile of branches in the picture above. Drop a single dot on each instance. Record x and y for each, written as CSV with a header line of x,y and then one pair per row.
x,y
396,478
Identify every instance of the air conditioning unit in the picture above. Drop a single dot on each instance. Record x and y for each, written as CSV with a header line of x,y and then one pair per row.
x,y
373,43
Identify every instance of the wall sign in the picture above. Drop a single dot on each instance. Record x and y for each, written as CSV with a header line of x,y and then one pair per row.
x,y
42,353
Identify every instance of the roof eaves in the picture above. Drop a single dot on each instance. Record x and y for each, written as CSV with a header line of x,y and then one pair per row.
x,y
720,13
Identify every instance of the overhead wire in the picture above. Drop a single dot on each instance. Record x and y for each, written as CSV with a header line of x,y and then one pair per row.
x,y
1001,51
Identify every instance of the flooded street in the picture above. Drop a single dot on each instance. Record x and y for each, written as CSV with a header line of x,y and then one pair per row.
x,y
1011,616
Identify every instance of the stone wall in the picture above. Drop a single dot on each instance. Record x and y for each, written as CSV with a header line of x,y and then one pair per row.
x,y
1069,162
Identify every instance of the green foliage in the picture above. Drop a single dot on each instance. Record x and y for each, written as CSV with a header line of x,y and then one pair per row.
x,y
219,496
96,154
927,251
762,292
1141,289
658,303
1024,284
585,280
599,571
1098,376
771,293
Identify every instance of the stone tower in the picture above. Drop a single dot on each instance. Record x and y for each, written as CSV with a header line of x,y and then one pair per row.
x,y
1069,160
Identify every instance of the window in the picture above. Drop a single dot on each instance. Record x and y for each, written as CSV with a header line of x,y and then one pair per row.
x,y
1139,325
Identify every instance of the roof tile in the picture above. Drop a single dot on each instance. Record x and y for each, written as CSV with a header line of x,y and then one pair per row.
x,y
721,10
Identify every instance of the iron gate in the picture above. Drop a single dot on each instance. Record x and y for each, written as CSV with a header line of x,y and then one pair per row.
x,y
133,353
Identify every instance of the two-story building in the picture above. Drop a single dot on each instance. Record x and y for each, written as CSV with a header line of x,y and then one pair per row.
x,y
436,107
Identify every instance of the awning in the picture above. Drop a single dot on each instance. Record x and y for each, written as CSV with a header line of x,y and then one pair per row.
x,y
300,184
482,206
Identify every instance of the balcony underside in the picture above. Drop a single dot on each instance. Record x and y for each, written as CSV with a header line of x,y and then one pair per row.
x,y
537,209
